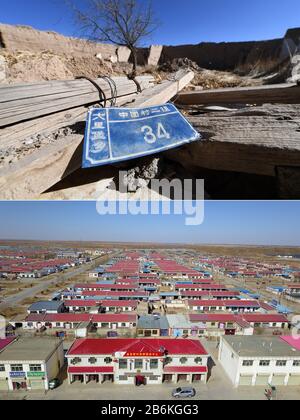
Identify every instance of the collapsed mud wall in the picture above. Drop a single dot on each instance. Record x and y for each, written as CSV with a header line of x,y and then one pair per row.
x,y
226,56
251,58
23,38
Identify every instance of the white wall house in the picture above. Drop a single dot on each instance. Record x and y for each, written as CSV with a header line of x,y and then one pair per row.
x,y
259,361
30,363
123,360
241,306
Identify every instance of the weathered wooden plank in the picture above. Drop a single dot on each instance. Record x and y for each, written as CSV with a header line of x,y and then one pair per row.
x,y
31,90
254,141
36,104
33,175
165,91
283,93
13,136
26,178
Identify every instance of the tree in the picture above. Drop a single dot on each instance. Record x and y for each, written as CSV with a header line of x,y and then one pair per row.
x,y
120,22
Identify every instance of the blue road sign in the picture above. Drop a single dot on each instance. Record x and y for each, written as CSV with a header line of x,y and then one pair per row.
x,y
120,134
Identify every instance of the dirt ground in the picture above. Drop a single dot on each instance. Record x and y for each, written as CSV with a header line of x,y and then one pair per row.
x,y
26,66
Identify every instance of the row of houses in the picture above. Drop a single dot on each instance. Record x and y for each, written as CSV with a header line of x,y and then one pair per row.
x,y
229,305
78,321
29,364
247,268
36,268
191,325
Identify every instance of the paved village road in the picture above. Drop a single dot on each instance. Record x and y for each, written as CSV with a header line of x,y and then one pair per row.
x,y
44,284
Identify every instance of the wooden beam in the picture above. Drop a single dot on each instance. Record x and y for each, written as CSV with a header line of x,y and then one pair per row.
x,y
253,141
36,173
284,93
21,103
165,91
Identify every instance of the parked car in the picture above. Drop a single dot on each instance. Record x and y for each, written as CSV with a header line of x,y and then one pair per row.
x,y
184,393
54,383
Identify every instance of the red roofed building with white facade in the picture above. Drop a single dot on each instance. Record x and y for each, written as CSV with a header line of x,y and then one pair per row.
x,y
122,361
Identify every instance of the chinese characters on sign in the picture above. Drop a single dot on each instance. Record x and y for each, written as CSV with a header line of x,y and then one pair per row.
x,y
119,134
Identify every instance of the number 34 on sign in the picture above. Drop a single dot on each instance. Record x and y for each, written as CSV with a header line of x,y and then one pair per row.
x,y
119,134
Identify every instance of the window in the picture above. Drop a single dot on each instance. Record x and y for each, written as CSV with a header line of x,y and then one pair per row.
x,y
183,360
198,360
105,325
153,364
108,360
75,361
185,332
35,368
154,378
296,363
138,364
264,363
123,324
168,360
16,368
281,363
92,360
2,368
123,364
248,363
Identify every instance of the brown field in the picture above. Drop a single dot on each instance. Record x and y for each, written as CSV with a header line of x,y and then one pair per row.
x,y
222,249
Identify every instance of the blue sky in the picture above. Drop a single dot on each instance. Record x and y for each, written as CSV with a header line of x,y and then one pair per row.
x,y
189,21
257,223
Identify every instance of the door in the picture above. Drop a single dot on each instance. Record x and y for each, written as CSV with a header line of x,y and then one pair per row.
x,y
278,380
262,380
3,385
245,380
19,385
294,380
229,332
197,378
183,378
93,378
78,378
108,378
37,384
